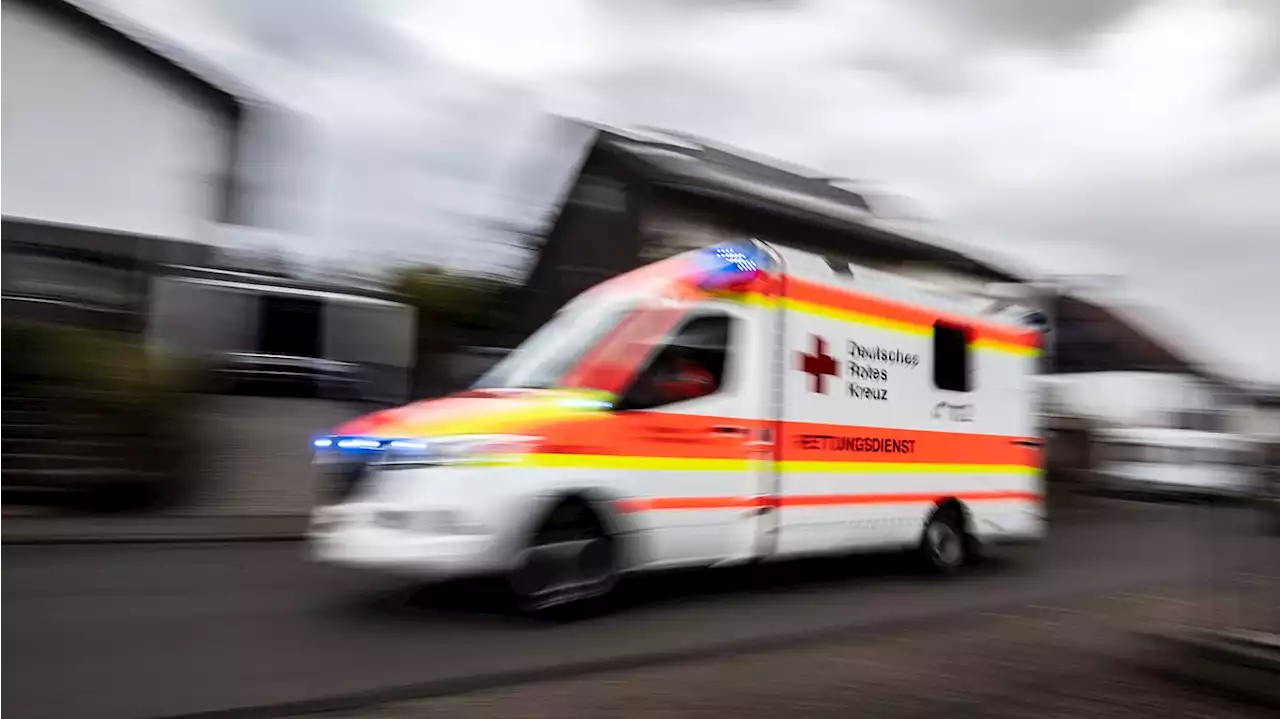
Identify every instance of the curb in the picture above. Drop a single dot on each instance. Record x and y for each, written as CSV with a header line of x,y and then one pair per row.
x,y
63,541
1220,663
32,531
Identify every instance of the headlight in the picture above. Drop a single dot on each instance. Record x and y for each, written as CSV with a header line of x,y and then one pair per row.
x,y
457,449
428,521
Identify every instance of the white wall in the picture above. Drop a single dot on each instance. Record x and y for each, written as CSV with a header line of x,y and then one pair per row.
x,y
1260,422
1140,399
91,138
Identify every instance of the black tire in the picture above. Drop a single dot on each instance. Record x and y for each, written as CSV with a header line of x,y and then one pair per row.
x,y
569,564
945,546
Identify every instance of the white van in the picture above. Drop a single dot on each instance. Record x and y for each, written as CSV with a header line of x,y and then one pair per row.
x,y
739,403
1180,462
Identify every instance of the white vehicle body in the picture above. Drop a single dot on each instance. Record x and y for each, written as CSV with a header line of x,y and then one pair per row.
x,y
1180,462
826,432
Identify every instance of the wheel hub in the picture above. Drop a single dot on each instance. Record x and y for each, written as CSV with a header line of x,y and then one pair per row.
x,y
564,571
944,544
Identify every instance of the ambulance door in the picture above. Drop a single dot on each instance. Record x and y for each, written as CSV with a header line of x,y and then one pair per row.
x,y
698,410
818,434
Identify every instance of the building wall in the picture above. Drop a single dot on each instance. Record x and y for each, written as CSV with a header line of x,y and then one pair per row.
x,y
1141,399
1262,422
95,138
596,236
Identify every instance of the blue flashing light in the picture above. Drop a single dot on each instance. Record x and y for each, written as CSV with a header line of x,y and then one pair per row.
x,y
406,445
368,444
737,259
730,264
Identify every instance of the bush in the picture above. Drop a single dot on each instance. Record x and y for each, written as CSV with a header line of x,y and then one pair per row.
x,y
455,301
106,388
453,311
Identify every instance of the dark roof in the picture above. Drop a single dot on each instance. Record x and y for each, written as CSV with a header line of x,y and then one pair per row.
x,y
684,163
693,165
1137,345
169,63
99,246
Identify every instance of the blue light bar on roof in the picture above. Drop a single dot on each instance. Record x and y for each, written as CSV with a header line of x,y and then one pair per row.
x,y
731,264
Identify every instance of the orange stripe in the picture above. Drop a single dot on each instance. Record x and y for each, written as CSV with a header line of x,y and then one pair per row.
x,y
453,407
659,504
656,434
813,442
844,299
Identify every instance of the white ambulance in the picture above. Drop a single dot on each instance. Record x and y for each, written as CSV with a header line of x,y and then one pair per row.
x,y
740,403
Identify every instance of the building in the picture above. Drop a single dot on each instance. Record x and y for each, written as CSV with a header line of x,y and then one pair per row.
x,y
637,196
116,157
106,132
642,195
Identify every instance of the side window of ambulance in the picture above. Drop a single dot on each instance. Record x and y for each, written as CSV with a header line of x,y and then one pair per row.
x,y
951,357
691,364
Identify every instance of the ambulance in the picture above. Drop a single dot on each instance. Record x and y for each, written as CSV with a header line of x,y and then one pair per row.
x,y
740,403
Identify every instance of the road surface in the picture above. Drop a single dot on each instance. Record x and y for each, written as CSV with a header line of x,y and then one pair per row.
x,y
146,631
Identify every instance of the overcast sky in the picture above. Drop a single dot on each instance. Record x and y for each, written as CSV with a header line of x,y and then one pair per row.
x,y
1137,138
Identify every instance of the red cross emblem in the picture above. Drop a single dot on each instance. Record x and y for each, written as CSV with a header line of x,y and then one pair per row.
x,y
819,365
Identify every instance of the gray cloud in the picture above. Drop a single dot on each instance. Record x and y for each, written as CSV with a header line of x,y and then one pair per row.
x,y
924,75
1261,69
326,32
1050,23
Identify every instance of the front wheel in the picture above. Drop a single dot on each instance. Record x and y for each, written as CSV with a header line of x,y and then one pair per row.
x,y
570,561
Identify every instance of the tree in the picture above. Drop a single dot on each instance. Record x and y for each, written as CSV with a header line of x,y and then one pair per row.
x,y
453,311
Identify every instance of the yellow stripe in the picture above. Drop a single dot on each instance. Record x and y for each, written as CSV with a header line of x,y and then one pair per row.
x,y
842,315
998,346
608,461
510,416
700,464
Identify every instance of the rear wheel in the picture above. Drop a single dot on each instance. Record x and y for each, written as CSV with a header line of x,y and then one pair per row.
x,y
944,544
569,561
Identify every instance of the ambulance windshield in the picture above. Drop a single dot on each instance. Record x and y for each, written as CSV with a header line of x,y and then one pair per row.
x,y
540,361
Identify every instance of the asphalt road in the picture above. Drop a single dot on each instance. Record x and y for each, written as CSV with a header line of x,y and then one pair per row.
x,y
146,631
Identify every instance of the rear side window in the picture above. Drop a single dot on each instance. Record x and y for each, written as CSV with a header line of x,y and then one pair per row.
x,y
951,357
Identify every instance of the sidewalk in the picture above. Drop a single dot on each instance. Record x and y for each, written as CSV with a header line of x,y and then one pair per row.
x,y
1050,662
37,529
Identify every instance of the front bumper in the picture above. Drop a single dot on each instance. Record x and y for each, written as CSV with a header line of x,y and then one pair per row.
x,y
361,537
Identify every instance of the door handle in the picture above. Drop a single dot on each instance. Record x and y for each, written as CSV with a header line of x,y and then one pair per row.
x,y
729,429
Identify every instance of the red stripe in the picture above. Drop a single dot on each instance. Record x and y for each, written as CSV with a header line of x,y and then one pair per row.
x,y
658,504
